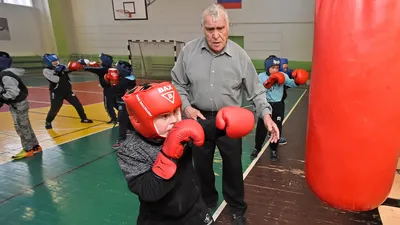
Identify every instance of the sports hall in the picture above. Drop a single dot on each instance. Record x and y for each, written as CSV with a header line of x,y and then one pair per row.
x,y
76,179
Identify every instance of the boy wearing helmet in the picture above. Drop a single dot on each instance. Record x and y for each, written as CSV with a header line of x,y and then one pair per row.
x,y
127,81
156,159
284,67
274,81
60,87
101,70
14,93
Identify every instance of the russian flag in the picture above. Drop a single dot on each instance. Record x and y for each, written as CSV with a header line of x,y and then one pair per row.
x,y
230,4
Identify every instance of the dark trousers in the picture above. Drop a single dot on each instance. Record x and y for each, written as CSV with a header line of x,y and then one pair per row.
x,y
261,131
283,115
124,122
197,215
283,103
110,103
232,177
57,100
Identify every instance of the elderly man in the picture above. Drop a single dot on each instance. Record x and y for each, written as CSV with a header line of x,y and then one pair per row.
x,y
213,72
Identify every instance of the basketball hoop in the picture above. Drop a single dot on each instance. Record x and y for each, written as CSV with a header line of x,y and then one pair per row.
x,y
125,12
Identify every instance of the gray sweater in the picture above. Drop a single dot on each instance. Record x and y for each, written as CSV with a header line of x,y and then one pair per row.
x,y
136,156
11,90
160,199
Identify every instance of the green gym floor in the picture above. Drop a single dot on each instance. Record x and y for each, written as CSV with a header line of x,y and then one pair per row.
x,y
78,182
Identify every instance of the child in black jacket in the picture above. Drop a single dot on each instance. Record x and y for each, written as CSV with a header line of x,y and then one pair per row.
x,y
14,93
60,87
127,82
106,62
156,161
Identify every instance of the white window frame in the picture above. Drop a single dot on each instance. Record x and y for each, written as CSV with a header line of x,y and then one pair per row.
x,y
31,1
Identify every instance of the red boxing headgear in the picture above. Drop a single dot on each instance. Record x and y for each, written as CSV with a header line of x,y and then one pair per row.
x,y
113,76
145,103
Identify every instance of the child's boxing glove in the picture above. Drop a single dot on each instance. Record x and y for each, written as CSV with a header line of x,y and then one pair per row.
x,y
277,77
236,121
60,68
93,64
112,77
174,144
84,62
74,66
107,78
300,76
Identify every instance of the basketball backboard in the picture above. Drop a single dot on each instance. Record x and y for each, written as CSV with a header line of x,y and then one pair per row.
x,y
129,9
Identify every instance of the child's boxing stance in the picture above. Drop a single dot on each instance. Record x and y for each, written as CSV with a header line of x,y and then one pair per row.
x,y
14,93
275,82
284,67
126,82
105,62
156,160
60,87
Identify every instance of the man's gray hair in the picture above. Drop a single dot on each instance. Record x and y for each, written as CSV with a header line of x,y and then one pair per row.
x,y
215,11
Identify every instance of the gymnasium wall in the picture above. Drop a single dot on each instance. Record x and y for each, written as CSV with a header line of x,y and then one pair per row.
x,y
25,30
284,27
76,27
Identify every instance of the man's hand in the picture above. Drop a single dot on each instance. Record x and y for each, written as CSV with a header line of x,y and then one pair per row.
x,y
272,128
192,113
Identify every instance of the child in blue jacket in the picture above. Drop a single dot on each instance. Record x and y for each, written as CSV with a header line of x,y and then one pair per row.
x,y
274,97
284,67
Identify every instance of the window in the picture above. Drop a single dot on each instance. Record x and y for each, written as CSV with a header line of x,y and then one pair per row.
x,y
18,2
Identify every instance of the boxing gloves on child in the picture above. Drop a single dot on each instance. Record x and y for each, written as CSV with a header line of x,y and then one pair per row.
x,y
183,132
277,77
59,69
80,64
112,77
74,66
237,122
300,76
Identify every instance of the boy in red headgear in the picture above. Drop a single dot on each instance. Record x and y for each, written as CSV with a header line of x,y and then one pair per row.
x,y
156,159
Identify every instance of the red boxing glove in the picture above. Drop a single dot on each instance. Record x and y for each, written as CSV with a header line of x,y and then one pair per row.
x,y
113,76
74,66
300,76
107,78
183,132
236,121
277,77
94,64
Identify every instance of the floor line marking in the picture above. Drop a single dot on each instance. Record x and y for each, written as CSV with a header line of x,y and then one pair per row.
x,y
65,116
56,177
74,139
253,163
34,101
274,189
74,90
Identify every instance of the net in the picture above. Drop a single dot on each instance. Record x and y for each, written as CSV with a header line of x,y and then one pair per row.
x,y
153,59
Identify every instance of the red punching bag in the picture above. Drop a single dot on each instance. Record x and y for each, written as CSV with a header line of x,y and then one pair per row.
x,y
353,141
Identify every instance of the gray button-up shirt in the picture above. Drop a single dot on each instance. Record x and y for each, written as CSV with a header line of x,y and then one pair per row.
x,y
210,81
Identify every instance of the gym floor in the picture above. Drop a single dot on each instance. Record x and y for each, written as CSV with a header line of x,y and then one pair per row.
x,y
76,179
